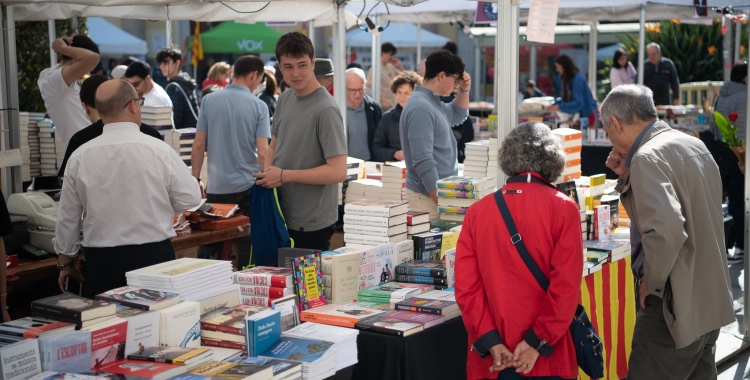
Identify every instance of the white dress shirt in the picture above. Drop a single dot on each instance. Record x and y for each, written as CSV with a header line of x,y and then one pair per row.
x,y
157,97
128,186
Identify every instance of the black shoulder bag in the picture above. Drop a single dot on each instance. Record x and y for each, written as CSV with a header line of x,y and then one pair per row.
x,y
587,343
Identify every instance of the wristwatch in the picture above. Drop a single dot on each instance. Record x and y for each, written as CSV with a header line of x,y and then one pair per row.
x,y
198,178
464,91
66,266
542,343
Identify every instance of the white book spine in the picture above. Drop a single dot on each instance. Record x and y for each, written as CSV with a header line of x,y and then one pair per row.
x,y
367,210
366,220
366,230
365,239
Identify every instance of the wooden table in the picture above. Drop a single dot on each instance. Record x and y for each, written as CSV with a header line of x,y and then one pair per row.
x,y
198,238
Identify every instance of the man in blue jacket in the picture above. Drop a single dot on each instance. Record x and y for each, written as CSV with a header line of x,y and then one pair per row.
x,y
660,74
180,88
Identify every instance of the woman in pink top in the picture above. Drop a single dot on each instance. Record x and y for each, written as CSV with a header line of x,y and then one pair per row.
x,y
622,71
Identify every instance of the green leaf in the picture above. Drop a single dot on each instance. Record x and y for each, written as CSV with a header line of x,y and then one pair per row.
x,y
728,131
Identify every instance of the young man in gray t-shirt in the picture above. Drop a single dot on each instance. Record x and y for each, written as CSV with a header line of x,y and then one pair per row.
x,y
307,156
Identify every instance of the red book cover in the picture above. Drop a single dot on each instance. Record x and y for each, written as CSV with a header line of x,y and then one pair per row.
x,y
34,332
257,300
108,344
265,291
412,214
138,368
223,344
266,276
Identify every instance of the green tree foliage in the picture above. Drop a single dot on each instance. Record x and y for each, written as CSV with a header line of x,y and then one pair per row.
x,y
32,53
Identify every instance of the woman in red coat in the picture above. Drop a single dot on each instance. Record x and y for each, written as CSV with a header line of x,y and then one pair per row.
x,y
516,329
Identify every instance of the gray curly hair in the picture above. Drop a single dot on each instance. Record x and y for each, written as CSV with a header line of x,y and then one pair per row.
x,y
531,147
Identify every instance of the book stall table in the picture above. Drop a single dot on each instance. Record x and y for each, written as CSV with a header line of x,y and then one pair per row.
x,y
198,237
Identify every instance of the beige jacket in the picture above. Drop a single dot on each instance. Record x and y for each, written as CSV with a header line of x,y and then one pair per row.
x,y
673,198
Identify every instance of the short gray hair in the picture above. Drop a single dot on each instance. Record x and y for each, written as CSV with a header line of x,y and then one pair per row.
x,y
629,104
531,147
357,72
114,104
653,45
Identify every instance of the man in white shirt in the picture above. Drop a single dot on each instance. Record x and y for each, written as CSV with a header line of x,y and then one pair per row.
x,y
128,186
60,85
139,75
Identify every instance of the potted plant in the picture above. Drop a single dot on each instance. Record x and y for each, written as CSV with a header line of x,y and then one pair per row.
x,y
728,130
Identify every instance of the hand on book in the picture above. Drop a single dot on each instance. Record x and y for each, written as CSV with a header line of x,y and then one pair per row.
x,y
270,179
502,358
73,272
524,358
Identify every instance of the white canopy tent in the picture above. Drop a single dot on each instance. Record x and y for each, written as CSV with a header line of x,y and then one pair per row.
x,y
401,34
113,40
431,11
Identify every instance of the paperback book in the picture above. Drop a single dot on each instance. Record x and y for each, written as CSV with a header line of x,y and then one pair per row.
x,y
376,265
287,256
235,370
30,328
171,355
265,276
67,352
391,326
309,281
230,320
20,360
422,305
425,268
72,307
263,330
180,325
149,370
338,315
143,299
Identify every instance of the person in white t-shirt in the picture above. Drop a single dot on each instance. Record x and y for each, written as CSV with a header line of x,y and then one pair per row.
x,y
60,85
139,75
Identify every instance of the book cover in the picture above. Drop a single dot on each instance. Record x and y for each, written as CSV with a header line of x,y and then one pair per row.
x,y
143,327
234,370
422,305
569,189
444,225
265,291
376,265
139,368
404,251
378,208
391,326
326,258
228,299
20,360
375,221
257,300
289,311
418,229
143,299
613,201
224,344
309,281
229,320
287,255
478,184
30,328
263,330
297,349
344,277
68,352
72,307
602,229
450,266
422,280
266,276
450,240
338,315
281,368
390,291
427,247
169,355
423,268
174,269
108,341
180,325
427,320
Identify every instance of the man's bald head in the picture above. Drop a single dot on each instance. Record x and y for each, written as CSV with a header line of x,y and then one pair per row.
x,y
113,101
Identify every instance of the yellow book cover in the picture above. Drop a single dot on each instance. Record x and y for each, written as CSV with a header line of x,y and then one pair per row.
x,y
450,240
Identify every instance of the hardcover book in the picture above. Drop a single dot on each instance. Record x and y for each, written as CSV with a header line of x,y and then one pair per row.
x,y
230,320
338,315
287,255
422,305
208,342
444,225
180,325
149,370
72,307
373,240
20,360
309,281
344,275
265,291
422,280
377,208
462,194
376,265
245,371
266,276
108,341
297,349
68,352
427,247
143,299
168,273
427,320
391,326
425,268
282,369
170,355
375,221
30,328
263,330
450,266
477,184
258,300
227,299
375,231
143,327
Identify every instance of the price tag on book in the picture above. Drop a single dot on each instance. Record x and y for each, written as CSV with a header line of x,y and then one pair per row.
x,y
542,21
10,158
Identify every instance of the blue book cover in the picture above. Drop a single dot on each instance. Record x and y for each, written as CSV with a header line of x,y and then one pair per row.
x,y
263,330
68,352
281,368
297,349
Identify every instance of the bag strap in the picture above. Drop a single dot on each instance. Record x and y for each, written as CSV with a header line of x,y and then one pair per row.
x,y
186,99
517,241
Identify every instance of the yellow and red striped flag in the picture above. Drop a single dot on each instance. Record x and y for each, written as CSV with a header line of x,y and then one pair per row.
x,y
197,49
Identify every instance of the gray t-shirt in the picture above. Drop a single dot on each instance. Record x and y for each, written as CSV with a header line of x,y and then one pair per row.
x,y
356,128
308,130
233,119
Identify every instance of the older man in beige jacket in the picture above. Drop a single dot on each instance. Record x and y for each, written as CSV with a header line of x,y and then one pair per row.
x,y
671,189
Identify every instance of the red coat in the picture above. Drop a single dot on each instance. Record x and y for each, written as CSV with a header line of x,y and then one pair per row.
x,y
496,291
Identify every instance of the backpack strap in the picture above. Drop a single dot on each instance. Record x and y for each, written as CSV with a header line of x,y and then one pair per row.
x,y
187,99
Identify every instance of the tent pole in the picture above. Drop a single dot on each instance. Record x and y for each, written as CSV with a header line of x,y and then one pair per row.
x,y
506,71
746,232
737,39
52,36
475,80
169,33
311,32
642,44
593,36
339,61
11,176
377,66
419,44
532,61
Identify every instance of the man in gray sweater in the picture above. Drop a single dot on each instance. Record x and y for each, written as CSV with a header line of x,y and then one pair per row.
x,y
428,144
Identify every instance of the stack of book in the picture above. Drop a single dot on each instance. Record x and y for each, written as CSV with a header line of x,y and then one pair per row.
x,y
355,170
268,283
417,223
611,251
179,356
48,157
262,329
31,328
68,307
423,272
340,269
282,369
394,181
481,159
318,357
232,370
433,246
457,194
339,315
225,327
344,340
445,308
363,189
35,155
571,140
374,222
143,299
23,132
158,117
392,292
394,323
181,140
192,279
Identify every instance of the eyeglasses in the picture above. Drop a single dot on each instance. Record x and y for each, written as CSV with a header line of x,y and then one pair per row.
x,y
139,100
136,84
456,79
356,90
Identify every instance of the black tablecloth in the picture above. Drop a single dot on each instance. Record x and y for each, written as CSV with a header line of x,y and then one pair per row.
x,y
437,353
594,159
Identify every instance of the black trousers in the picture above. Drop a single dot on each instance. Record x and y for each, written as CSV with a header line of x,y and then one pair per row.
x,y
320,239
734,186
244,244
105,267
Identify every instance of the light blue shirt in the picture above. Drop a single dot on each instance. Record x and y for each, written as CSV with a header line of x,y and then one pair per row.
x,y
232,119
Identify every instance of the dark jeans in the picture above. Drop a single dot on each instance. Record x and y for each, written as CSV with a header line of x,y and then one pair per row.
x,y
105,267
734,186
320,239
244,244
511,374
